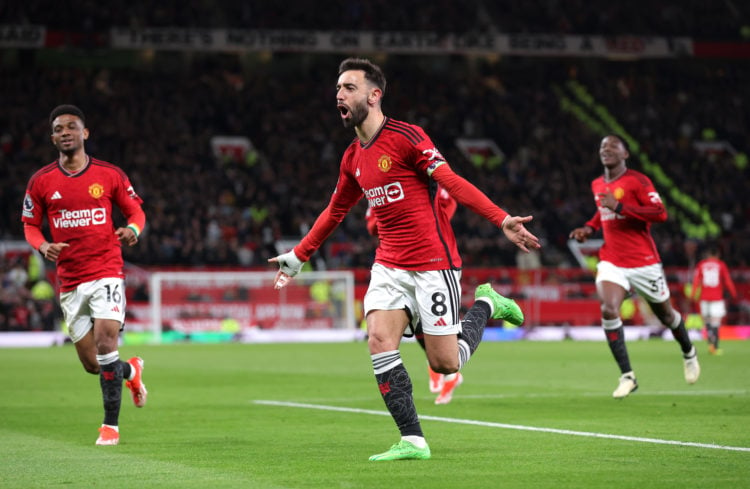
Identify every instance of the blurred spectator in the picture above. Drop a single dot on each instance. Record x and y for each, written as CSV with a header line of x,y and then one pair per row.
x,y
25,305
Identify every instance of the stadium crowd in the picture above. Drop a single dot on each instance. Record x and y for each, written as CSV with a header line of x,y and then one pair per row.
x,y
27,299
204,210
696,18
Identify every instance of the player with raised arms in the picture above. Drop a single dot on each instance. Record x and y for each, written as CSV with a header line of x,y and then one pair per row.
x,y
417,270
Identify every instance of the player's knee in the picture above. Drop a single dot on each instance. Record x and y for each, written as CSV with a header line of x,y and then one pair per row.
x,y
91,368
444,366
377,343
610,311
667,318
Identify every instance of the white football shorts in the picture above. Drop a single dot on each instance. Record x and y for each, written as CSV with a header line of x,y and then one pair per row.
x,y
713,309
649,281
432,298
100,299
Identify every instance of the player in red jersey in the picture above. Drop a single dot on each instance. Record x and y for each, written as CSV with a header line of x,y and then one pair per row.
x,y
710,279
627,204
76,194
416,274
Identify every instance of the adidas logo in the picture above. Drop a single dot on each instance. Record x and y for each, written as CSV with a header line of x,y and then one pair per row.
x,y
115,309
56,196
440,322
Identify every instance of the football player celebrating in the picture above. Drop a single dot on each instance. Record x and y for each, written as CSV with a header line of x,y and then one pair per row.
x,y
417,271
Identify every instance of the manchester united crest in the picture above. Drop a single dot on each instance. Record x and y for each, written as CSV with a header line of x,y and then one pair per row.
x,y
619,193
385,163
96,190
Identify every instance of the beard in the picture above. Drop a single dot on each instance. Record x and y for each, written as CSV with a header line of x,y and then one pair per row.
x,y
358,114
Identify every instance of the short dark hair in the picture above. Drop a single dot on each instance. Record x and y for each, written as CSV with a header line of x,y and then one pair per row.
x,y
712,248
373,73
66,109
622,140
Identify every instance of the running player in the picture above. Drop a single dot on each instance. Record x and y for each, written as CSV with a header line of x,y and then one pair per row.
x,y
710,280
76,194
416,275
627,204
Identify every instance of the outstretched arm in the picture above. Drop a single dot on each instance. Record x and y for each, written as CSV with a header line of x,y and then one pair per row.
x,y
290,263
343,199
473,198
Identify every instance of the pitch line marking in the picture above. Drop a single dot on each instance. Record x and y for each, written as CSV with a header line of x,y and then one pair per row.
x,y
508,426
599,394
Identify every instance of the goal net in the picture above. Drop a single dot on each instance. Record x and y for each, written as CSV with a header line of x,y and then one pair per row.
x,y
315,306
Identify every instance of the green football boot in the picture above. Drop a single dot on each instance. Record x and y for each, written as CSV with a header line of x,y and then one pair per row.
x,y
403,450
502,307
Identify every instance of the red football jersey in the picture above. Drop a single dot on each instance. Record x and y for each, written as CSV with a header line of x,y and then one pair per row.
x,y
627,234
78,208
712,276
393,172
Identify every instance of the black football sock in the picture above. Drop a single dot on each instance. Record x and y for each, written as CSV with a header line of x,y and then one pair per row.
x,y
680,334
616,340
110,379
472,327
126,370
396,388
713,335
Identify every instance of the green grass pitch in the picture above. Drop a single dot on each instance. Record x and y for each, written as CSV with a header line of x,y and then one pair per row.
x,y
529,415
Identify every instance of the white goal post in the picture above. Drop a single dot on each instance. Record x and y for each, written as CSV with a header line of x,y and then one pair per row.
x,y
314,306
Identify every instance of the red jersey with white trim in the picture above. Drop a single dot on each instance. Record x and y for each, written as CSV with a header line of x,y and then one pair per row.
x,y
393,172
711,277
78,208
627,234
